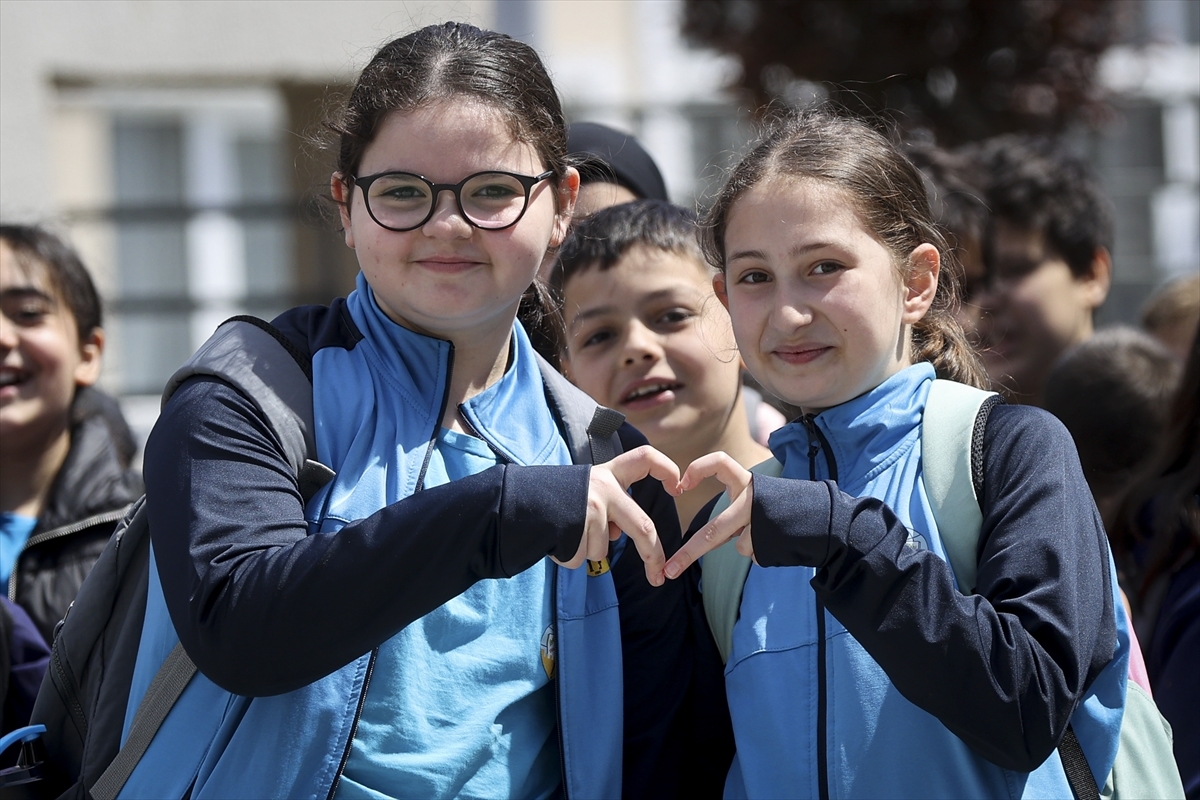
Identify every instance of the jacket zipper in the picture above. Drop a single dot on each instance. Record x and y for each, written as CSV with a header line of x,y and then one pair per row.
x,y
362,695
817,442
58,533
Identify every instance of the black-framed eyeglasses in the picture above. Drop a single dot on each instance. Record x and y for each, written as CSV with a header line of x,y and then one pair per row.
x,y
403,201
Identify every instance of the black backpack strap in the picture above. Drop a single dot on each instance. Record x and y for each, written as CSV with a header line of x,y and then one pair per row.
x,y
169,682
590,429
1079,774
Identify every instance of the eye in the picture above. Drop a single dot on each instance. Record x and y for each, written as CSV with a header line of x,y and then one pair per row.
x,y
826,268
674,317
754,276
495,191
595,338
29,312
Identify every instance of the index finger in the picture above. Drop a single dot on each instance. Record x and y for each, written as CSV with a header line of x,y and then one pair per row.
x,y
714,533
629,516
629,468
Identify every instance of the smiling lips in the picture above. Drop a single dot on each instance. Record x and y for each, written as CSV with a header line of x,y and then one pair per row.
x,y
10,376
800,354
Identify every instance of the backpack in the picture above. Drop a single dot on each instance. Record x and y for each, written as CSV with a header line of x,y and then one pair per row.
x,y
951,444
83,699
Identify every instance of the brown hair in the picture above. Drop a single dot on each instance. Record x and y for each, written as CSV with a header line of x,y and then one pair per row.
x,y
442,62
890,198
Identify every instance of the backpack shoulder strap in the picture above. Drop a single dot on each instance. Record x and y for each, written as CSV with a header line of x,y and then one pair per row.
x,y
254,358
948,428
724,575
589,429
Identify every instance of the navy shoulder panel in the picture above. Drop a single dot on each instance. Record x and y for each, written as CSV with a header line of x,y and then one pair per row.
x,y
311,328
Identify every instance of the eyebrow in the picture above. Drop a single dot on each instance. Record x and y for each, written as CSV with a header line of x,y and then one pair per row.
x,y
795,252
22,292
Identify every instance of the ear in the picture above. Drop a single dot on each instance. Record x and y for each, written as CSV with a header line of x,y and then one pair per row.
x,y
343,193
719,289
1096,283
87,371
924,266
568,193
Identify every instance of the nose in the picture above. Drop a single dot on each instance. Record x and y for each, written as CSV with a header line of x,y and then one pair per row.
x,y
792,312
8,333
641,344
447,221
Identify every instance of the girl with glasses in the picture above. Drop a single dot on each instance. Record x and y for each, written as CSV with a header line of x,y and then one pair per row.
x,y
425,626
860,664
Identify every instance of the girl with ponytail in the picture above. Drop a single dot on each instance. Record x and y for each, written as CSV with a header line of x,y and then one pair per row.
x,y
858,666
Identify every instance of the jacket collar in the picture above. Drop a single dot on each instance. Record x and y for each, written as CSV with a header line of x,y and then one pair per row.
x,y
864,434
512,414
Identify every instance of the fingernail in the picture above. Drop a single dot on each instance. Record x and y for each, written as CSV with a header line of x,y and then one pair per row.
x,y
672,570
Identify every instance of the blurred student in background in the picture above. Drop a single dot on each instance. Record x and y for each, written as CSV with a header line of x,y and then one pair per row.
x,y
1047,255
1156,540
1172,314
613,168
64,447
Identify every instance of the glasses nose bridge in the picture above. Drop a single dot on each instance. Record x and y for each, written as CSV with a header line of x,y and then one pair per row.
x,y
455,189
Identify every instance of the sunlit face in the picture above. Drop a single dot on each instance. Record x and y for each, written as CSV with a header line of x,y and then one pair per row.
x,y
448,278
647,338
1031,310
41,358
819,308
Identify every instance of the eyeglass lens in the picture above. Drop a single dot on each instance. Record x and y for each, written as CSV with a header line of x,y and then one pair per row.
x,y
489,200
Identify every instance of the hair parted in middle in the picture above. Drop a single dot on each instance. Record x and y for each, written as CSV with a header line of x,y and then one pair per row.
x,y
889,195
449,61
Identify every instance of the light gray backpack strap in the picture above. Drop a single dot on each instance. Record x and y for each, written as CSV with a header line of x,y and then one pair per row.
x,y
947,432
724,575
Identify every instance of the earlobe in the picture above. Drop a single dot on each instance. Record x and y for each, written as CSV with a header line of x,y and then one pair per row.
x,y
924,268
342,193
87,371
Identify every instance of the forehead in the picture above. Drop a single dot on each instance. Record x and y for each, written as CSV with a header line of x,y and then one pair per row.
x,y
641,271
447,140
794,212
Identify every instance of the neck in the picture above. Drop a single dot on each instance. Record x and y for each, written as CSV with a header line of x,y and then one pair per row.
x,y
479,361
734,439
29,472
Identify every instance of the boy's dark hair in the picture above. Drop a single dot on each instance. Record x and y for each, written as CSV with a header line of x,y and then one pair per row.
x,y
1034,183
601,239
40,252
610,156
1113,393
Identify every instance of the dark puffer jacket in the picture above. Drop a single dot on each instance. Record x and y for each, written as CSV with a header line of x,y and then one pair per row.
x,y
93,488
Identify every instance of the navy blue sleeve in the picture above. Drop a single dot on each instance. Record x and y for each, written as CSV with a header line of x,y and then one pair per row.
x,y
1003,668
262,607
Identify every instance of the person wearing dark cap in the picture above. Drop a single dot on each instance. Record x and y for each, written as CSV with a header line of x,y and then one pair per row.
x,y
615,168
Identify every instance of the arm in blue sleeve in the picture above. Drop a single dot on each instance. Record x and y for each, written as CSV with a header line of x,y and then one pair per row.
x,y
264,608
1003,668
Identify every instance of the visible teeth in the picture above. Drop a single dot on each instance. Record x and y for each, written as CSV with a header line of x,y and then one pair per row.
x,y
648,389
9,377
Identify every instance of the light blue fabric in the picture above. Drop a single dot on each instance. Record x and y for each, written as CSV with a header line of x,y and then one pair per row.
x,y
376,438
14,533
459,702
878,743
